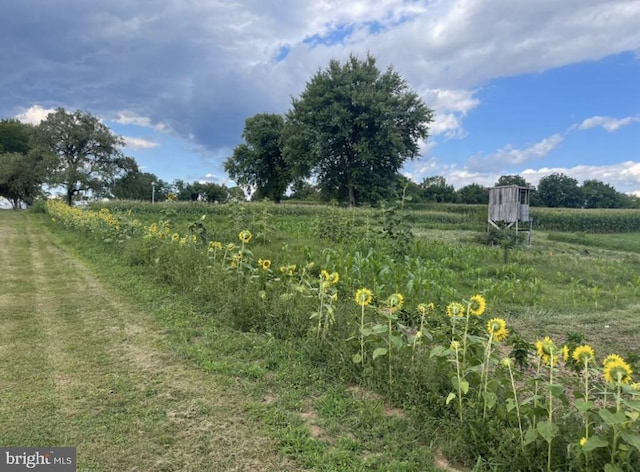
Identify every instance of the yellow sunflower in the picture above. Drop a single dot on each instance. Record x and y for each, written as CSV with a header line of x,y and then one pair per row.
x,y
611,358
547,351
566,353
497,327
424,309
325,274
583,354
363,296
617,371
335,278
266,264
395,301
455,309
245,236
477,305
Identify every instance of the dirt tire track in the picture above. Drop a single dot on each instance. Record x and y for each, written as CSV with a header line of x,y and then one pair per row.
x,y
121,396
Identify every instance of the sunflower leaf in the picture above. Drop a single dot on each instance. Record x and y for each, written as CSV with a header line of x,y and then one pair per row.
x,y
380,351
594,442
612,419
547,430
631,438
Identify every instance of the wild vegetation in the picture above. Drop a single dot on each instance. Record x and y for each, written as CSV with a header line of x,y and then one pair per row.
x,y
523,356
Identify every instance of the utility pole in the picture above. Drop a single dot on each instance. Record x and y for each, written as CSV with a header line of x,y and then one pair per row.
x,y
153,192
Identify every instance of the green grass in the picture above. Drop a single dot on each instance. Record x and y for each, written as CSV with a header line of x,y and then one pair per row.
x,y
304,390
98,355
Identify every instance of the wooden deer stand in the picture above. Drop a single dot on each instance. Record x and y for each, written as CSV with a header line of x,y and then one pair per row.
x,y
508,208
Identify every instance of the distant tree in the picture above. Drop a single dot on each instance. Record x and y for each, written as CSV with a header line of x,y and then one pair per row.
x,y
511,180
15,136
559,190
408,190
85,156
201,191
21,170
436,189
214,193
600,195
473,194
258,164
135,185
21,178
353,128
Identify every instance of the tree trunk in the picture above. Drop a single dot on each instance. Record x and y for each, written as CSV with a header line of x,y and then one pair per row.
x,y
352,197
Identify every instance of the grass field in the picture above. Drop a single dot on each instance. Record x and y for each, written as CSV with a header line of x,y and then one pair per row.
x,y
98,356
243,332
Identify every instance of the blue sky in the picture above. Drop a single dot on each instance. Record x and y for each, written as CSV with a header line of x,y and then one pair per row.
x,y
527,88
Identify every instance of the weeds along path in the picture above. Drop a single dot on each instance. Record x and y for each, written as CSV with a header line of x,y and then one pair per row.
x,y
81,366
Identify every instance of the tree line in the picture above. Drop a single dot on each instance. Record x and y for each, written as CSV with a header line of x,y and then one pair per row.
x,y
344,139
77,154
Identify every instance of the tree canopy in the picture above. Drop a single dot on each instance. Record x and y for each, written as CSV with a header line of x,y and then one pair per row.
x,y
436,189
136,185
353,128
559,190
21,170
84,155
512,180
259,164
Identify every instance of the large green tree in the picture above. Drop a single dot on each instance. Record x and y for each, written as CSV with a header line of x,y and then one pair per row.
x,y
258,164
436,189
15,136
353,127
559,190
85,155
473,194
136,185
511,180
600,195
21,178
21,170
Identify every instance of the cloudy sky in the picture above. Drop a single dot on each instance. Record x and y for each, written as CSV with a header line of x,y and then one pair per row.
x,y
527,87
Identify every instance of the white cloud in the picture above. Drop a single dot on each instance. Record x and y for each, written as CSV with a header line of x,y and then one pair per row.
x,y
139,143
623,176
450,107
130,118
608,123
34,114
509,156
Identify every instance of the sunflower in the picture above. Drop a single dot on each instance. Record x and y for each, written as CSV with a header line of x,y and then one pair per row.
x,y
547,351
455,309
245,236
617,371
395,301
611,358
363,296
335,277
324,274
424,309
583,441
477,305
566,353
497,327
583,354
266,264
175,237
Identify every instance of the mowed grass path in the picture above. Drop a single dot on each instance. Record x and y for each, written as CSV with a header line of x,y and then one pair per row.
x,y
80,365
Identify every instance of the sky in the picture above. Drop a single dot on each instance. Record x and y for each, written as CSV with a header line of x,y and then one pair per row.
x,y
526,87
